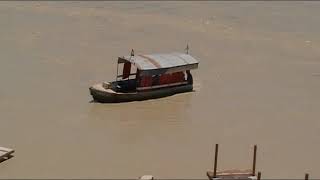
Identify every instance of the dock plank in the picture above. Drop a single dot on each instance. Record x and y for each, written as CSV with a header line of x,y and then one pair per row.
x,y
232,174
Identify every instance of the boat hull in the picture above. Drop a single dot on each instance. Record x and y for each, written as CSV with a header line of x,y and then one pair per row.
x,y
102,95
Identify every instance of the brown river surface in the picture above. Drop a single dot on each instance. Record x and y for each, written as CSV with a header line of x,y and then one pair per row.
x,y
258,82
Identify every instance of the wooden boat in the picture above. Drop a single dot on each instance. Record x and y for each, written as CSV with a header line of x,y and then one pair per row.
x,y
234,174
147,77
5,153
146,177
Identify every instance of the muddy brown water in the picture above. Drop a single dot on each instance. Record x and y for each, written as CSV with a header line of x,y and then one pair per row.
x,y
256,84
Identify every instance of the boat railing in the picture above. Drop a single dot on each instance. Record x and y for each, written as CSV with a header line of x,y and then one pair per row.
x,y
121,75
161,86
234,174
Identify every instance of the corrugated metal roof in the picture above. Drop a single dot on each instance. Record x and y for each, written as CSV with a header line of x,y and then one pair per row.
x,y
162,61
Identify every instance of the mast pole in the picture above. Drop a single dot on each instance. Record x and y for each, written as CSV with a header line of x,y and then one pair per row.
x,y
131,55
117,70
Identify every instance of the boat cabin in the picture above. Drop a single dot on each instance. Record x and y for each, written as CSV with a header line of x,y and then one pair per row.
x,y
153,71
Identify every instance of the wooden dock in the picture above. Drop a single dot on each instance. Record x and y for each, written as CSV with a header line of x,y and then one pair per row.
x,y
234,174
5,153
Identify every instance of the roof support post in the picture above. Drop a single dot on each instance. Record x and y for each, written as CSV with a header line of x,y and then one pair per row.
x,y
117,71
187,49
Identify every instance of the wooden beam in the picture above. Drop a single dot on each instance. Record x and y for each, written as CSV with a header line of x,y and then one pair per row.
x,y
215,161
120,76
254,160
259,176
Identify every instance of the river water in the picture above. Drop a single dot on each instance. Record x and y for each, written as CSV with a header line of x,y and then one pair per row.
x,y
258,82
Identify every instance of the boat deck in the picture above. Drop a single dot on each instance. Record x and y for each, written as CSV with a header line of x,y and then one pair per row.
x,y
100,87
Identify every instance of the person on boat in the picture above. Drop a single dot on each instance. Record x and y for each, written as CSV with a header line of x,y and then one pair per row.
x,y
189,77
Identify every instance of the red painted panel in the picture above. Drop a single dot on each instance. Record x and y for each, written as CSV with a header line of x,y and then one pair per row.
x,y
146,81
126,70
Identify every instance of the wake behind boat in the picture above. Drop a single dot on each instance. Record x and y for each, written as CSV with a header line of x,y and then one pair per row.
x,y
147,77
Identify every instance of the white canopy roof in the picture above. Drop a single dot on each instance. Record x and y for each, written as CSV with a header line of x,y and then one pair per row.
x,y
151,64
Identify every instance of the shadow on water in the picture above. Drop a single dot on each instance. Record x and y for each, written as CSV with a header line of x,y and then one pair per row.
x,y
131,123
92,101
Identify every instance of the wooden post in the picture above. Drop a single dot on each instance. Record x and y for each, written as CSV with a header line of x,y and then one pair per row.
x,y
132,54
306,177
259,176
215,162
254,160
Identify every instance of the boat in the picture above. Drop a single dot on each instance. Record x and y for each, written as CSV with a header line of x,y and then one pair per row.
x,y
146,177
146,77
5,153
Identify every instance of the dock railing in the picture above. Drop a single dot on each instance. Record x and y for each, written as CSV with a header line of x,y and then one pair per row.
x,y
234,174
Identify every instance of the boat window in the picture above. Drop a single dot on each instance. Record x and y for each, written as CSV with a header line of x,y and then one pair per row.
x,y
172,78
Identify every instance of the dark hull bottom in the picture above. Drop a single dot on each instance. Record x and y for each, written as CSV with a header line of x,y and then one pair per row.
x,y
109,97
